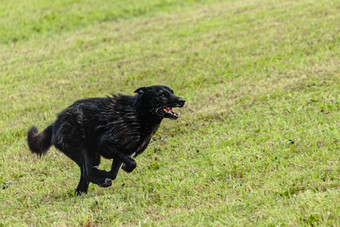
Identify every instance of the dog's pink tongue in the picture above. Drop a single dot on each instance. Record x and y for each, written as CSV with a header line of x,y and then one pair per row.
x,y
169,109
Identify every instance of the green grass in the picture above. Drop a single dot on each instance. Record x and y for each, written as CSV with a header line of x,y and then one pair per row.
x,y
258,142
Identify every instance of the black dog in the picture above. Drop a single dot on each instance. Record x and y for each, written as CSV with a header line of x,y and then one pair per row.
x,y
119,127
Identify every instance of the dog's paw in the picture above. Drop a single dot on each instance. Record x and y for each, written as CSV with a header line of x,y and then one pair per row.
x,y
106,183
100,173
80,192
130,168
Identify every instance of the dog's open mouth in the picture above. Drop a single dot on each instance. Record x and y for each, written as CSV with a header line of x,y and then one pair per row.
x,y
167,112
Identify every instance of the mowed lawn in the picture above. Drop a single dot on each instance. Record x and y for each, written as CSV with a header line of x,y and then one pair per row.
x,y
257,144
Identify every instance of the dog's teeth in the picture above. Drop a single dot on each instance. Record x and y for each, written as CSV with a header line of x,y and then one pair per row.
x,y
170,111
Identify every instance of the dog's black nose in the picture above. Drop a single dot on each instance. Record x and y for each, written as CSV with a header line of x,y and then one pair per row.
x,y
181,101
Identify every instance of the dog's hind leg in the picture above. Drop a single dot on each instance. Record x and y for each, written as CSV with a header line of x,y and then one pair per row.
x,y
90,174
83,184
77,156
67,147
85,163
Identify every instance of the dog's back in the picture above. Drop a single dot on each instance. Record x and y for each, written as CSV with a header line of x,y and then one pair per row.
x,y
96,119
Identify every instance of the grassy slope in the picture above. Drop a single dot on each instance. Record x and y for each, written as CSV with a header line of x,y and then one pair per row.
x,y
256,74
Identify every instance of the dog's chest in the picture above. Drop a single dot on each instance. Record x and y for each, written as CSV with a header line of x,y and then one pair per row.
x,y
145,140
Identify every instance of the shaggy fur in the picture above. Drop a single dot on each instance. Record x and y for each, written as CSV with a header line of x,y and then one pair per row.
x,y
119,127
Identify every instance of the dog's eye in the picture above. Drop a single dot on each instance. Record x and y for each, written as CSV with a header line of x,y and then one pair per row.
x,y
164,94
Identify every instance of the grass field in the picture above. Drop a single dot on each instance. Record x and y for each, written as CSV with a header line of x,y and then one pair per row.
x,y
258,143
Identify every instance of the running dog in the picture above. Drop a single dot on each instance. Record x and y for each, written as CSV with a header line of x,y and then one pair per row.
x,y
117,127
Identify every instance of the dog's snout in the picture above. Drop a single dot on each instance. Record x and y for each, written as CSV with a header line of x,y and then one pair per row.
x,y
181,101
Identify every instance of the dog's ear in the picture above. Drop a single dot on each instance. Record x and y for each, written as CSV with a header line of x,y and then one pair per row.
x,y
141,90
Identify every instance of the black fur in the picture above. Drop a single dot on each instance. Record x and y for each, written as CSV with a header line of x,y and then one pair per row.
x,y
39,143
119,127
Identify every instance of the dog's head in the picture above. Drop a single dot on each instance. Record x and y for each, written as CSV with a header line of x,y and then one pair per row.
x,y
159,100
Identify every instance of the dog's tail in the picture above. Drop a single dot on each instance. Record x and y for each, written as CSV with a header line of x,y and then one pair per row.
x,y
39,143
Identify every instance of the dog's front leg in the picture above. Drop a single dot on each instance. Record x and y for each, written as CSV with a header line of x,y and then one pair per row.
x,y
116,163
112,174
129,163
128,166
110,151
